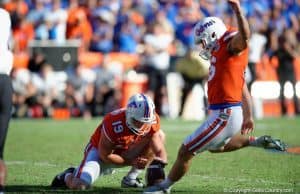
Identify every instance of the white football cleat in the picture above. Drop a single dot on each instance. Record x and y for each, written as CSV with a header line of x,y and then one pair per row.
x,y
131,183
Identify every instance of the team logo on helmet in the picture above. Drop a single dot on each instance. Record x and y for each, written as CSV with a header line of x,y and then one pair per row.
x,y
201,28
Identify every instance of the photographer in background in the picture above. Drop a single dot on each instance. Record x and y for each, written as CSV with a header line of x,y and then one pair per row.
x,y
194,70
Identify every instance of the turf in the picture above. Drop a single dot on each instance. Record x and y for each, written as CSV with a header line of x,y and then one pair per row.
x,y
36,150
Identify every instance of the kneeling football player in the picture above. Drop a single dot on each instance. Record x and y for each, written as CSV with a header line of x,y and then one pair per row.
x,y
126,137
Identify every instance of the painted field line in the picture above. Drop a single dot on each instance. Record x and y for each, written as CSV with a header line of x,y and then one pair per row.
x,y
45,163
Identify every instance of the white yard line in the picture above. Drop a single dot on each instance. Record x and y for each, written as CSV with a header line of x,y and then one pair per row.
x,y
12,163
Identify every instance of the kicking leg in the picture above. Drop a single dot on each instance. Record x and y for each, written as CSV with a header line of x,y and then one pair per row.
x,y
178,170
181,165
239,141
236,142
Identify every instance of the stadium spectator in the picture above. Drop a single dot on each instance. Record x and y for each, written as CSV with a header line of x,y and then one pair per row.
x,y
79,92
129,37
227,51
286,54
56,20
126,137
25,92
78,25
194,70
157,64
107,88
36,61
6,90
257,44
16,9
47,84
23,33
36,16
102,38
127,32
189,15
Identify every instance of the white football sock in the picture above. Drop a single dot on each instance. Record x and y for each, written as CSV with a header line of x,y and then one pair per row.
x,y
133,173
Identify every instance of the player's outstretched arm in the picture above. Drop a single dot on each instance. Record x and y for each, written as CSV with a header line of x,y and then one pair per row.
x,y
239,42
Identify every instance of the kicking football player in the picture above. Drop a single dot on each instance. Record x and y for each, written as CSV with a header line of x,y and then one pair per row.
x,y
228,96
126,137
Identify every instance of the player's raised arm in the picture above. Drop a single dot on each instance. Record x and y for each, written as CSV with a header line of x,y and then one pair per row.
x,y
239,42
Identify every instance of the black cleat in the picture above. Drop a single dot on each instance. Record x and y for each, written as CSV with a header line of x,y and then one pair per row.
x,y
270,143
59,180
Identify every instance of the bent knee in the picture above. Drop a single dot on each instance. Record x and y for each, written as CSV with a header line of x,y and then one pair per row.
x,y
88,175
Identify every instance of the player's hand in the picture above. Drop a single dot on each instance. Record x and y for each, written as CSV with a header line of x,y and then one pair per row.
x,y
140,162
247,126
235,5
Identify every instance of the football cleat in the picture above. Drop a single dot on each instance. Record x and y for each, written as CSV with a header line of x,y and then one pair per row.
x,y
270,143
59,180
157,189
131,183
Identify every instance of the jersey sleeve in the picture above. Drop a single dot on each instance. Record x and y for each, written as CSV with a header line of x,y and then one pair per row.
x,y
107,129
156,125
229,34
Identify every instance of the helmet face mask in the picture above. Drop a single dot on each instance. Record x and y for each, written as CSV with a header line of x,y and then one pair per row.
x,y
206,45
207,32
140,114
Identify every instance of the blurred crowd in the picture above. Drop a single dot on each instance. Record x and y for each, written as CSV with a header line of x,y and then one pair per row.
x,y
158,31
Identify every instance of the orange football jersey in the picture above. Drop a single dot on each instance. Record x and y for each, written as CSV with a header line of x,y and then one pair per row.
x,y
115,129
226,75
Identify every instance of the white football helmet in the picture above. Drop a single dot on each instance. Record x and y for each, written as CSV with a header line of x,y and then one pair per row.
x,y
140,108
206,34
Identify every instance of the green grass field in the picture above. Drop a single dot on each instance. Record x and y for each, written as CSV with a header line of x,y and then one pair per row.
x,y
36,150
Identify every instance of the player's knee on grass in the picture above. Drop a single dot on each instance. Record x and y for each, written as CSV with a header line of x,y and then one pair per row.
x,y
86,176
77,183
